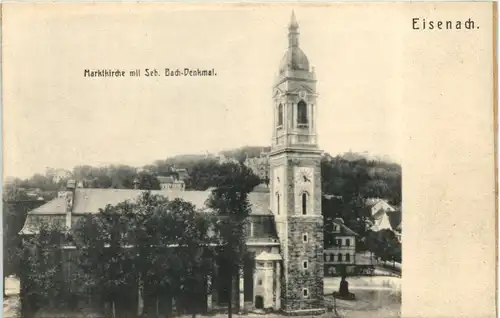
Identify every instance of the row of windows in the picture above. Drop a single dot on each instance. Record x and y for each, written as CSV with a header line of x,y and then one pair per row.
x,y
304,198
302,116
172,186
338,257
338,242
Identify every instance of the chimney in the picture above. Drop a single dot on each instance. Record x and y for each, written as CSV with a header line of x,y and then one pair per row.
x,y
136,184
70,187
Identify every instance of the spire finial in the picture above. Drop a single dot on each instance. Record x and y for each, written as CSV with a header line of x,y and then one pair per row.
x,y
293,33
293,21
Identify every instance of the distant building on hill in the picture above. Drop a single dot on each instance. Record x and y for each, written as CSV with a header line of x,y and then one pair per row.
x,y
58,175
171,183
259,166
223,159
182,174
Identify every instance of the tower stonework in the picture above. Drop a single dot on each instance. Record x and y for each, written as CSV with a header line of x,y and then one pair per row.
x,y
295,178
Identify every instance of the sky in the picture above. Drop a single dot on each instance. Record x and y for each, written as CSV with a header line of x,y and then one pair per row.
x,y
55,117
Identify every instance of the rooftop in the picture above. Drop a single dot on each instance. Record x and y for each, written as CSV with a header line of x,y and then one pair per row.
x,y
87,200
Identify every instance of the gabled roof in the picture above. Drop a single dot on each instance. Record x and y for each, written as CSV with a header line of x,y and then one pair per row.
x,y
344,230
371,202
379,214
55,206
164,179
91,200
88,200
394,218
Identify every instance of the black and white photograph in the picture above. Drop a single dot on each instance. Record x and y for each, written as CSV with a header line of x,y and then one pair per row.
x,y
205,161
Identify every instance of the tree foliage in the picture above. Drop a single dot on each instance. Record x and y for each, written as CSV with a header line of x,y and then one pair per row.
x,y
14,216
348,182
361,178
161,244
42,281
384,244
229,200
211,174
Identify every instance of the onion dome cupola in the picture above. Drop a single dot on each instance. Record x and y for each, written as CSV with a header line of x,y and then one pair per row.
x,y
294,59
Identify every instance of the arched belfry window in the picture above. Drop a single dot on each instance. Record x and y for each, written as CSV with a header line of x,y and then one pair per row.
x,y
304,203
302,118
280,115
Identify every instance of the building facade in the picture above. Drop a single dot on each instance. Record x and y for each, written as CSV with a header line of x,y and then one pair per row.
x,y
343,251
259,166
171,183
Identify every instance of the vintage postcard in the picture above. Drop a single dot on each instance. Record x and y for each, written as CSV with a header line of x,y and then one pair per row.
x,y
249,160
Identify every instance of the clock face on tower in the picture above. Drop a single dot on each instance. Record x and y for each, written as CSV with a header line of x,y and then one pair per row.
x,y
304,176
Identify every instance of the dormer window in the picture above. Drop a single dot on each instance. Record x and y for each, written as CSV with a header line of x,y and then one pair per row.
x,y
302,118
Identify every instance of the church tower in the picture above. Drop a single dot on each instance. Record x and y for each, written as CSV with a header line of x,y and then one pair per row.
x,y
296,181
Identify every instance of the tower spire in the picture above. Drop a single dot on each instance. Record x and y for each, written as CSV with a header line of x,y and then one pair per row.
x,y
293,22
293,33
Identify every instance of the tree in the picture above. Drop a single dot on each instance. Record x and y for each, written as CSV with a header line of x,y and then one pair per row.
x,y
122,176
148,181
14,215
230,201
384,245
203,175
195,253
163,226
42,283
159,246
105,259
14,193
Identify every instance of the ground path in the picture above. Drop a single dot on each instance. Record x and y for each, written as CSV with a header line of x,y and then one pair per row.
x,y
377,297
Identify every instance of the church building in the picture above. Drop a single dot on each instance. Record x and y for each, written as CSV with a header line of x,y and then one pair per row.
x,y
285,231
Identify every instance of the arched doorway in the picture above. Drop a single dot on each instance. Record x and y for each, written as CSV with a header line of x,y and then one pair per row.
x,y
259,302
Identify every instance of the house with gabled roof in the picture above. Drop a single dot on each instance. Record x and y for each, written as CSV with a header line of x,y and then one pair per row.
x,y
343,251
383,215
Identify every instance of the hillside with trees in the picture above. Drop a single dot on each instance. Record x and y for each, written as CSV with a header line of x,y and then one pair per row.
x,y
347,181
